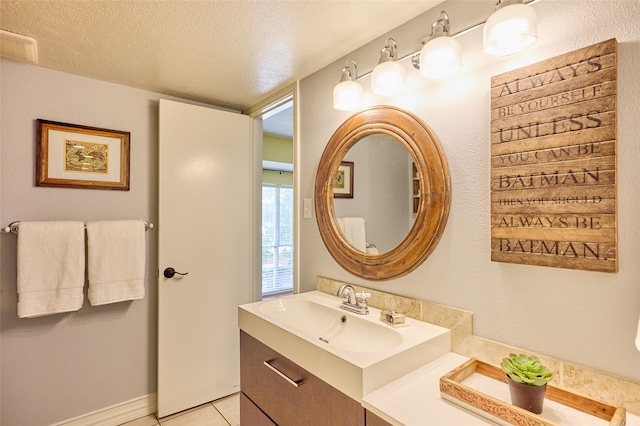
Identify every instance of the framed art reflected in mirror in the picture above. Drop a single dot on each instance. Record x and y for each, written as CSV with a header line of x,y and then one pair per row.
x,y
343,182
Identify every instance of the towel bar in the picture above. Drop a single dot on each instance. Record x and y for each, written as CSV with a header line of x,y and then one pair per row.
x,y
13,227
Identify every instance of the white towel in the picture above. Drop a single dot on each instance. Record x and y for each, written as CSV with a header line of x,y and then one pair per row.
x,y
116,261
50,262
353,230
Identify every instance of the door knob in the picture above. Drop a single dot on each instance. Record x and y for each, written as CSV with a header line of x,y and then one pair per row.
x,y
170,272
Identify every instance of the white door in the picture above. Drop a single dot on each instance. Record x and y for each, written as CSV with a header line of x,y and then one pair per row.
x,y
206,189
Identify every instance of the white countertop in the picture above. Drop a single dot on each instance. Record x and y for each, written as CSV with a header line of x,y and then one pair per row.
x,y
414,400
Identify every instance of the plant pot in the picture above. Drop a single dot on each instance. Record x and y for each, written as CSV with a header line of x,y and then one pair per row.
x,y
529,397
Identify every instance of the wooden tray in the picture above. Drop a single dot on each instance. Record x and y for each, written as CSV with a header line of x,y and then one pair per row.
x,y
452,388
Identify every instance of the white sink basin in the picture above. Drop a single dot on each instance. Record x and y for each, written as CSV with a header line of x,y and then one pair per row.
x,y
332,327
356,356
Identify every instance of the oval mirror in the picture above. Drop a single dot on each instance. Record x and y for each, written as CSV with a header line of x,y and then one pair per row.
x,y
375,131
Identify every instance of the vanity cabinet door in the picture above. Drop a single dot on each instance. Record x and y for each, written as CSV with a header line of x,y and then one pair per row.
x,y
313,402
373,420
251,414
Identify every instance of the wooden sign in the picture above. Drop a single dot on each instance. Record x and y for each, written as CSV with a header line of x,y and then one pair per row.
x,y
553,162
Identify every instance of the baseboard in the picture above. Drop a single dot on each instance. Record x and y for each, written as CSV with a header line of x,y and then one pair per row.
x,y
116,414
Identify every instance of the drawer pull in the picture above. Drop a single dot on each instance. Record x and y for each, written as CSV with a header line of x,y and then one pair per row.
x,y
295,383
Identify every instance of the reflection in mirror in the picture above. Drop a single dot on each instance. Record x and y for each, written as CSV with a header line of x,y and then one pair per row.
x,y
379,214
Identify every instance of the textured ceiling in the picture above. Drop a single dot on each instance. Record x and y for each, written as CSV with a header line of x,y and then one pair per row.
x,y
227,53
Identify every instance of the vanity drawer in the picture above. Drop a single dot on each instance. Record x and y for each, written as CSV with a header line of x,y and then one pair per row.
x,y
273,394
289,394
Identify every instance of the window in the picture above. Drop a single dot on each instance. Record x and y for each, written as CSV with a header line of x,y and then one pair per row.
x,y
277,239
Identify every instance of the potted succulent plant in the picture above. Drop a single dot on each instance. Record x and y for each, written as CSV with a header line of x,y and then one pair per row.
x,y
527,378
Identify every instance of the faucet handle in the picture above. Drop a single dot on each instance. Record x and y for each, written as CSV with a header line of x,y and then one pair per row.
x,y
361,298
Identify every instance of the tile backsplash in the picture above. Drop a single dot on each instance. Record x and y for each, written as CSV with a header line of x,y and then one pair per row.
x,y
573,377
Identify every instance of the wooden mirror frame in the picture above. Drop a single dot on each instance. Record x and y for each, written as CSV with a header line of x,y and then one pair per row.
x,y
435,193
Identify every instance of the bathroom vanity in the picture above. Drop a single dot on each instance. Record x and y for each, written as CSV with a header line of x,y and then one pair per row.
x,y
306,361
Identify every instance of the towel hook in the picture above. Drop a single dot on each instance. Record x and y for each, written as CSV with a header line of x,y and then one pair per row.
x,y
170,272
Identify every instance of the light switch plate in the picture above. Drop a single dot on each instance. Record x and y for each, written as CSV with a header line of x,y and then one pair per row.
x,y
306,206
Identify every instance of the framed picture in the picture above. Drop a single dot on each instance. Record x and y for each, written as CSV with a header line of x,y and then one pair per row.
x,y
343,181
74,156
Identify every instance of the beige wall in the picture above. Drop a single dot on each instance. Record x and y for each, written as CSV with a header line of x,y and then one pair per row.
x,y
588,318
61,366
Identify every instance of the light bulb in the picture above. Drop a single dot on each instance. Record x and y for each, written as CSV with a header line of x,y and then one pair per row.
x,y
440,57
388,79
511,28
347,96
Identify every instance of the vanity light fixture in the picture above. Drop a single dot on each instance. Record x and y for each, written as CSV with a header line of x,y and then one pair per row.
x,y
388,77
441,55
510,29
347,95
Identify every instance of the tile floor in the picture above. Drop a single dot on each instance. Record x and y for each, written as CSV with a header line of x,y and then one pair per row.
x,y
222,412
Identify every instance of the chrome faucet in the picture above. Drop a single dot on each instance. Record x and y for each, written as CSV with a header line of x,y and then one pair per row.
x,y
350,293
352,301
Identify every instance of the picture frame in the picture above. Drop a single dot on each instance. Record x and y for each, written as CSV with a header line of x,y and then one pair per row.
x,y
343,180
76,156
